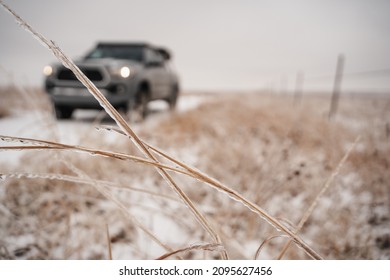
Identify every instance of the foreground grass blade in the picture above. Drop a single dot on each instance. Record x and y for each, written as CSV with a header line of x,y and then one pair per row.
x,y
205,247
50,145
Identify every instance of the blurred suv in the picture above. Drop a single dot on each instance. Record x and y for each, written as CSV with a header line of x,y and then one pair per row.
x,y
128,74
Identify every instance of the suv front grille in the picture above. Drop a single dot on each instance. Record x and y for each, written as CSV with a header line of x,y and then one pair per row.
x,y
94,75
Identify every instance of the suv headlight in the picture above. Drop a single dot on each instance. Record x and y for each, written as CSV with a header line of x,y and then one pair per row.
x,y
47,70
123,72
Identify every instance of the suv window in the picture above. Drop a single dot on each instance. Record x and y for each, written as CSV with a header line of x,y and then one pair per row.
x,y
119,52
152,56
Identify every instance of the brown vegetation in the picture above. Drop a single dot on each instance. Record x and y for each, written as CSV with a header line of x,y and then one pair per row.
x,y
286,167
277,155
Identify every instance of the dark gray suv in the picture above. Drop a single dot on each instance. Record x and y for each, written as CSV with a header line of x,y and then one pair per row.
x,y
128,74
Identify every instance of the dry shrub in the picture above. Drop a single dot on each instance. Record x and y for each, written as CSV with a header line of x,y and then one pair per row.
x,y
18,101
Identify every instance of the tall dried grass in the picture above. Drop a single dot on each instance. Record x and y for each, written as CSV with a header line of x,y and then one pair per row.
x,y
262,152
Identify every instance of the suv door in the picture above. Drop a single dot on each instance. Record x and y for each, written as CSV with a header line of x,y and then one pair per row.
x,y
157,74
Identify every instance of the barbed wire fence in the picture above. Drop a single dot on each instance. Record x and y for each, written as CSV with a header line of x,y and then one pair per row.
x,y
338,78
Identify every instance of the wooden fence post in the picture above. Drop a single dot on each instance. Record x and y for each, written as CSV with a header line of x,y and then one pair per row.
x,y
336,86
298,88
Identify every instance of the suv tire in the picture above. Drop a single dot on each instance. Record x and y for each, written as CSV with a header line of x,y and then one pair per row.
x,y
172,100
137,109
63,112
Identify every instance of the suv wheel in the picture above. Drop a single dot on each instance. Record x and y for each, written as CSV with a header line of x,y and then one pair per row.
x,y
172,100
63,112
142,104
138,110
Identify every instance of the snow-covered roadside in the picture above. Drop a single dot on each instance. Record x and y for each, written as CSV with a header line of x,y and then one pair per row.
x,y
76,131
35,125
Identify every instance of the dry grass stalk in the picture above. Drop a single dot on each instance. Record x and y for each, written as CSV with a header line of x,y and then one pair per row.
x,y
49,145
313,205
205,247
265,242
114,114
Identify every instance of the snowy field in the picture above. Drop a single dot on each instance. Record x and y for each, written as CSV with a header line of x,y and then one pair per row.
x,y
64,204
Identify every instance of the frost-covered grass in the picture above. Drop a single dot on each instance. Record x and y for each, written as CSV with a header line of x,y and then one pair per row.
x,y
277,155
272,174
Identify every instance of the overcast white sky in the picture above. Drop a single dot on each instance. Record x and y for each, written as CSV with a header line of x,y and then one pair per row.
x,y
220,44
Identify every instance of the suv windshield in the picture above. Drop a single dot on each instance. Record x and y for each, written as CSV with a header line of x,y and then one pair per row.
x,y
134,53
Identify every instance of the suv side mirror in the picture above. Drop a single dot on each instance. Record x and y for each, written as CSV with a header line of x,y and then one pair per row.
x,y
164,53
